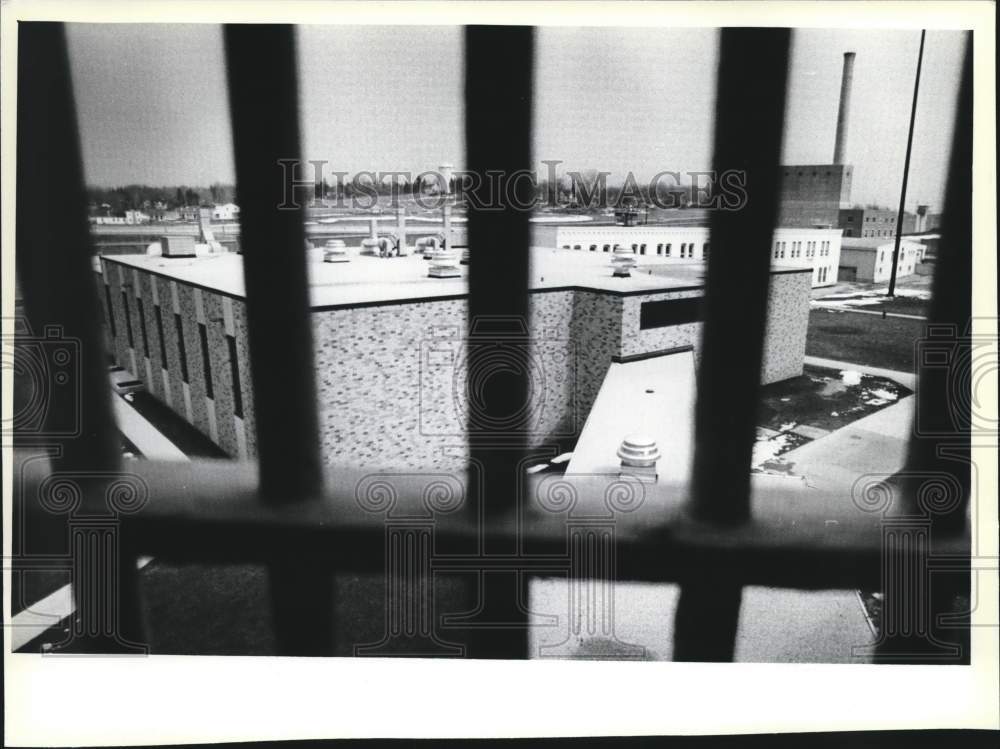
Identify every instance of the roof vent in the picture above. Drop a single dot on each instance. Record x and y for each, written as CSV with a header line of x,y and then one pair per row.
x,y
178,245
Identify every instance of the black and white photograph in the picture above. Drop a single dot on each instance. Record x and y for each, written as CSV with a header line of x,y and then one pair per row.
x,y
413,342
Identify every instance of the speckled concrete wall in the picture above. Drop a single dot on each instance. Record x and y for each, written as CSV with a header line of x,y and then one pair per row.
x,y
385,384
636,341
155,364
218,351
787,325
414,357
596,327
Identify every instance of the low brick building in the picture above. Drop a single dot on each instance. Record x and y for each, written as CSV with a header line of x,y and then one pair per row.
x,y
870,260
390,345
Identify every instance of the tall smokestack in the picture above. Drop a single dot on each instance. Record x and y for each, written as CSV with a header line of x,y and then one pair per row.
x,y
845,108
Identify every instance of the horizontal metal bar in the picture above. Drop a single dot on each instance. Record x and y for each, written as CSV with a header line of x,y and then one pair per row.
x,y
220,516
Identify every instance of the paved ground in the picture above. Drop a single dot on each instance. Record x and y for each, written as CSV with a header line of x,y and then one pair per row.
x,y
776,626
875,444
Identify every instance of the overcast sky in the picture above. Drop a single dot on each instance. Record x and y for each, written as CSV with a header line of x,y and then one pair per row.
x,y
153,109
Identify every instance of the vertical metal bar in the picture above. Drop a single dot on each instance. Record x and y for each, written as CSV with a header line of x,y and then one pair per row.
x,y
937,481
749,118
54,257
906,169
60,295
499,64
942,436
263,101
498,99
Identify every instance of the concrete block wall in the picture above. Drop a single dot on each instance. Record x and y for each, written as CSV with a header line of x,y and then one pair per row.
x,y
787,326
196,379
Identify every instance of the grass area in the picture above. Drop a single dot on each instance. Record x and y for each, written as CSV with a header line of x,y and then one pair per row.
x,y
798,410
864,339
824,399
904,305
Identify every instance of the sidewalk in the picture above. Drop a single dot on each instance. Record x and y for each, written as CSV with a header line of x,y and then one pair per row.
x,y
876,444
878,313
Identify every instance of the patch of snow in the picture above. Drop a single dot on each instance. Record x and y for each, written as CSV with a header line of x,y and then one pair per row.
x,y
914,293
851,377
870,297
766,450
883,394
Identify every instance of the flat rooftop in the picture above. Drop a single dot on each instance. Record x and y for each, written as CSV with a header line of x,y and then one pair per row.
x,y
874,243
367,280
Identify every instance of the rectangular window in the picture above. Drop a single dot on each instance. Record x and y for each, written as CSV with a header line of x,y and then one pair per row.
x,y
666,250
142,326
234,369
668,312
128,319
180,347
111,311
205,361
159,331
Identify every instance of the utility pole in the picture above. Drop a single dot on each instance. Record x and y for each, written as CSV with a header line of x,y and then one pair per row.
x,y
906,170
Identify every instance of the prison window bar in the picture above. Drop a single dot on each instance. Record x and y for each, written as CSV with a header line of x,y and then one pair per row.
x,y
228,513
263,102
57,279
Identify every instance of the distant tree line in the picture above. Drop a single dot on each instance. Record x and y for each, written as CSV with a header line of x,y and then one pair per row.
x,y
117,200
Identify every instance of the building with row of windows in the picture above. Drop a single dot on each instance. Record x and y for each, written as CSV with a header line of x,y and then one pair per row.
x,y
793,247
864,223
870,259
